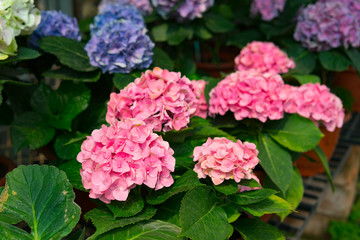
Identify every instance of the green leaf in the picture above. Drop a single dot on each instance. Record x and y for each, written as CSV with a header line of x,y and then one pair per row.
x,y
132,206
325,163
70,52
121,80
72,170
31,130
276,161
162,60
294,193
232,212
158,230
22,54
65,73
159,32
67,146
255,229
242,38
305,61
272,204
253,196
184,183
199,211
104,220
60,107
202,32
294,132
10,232
184,151
1,98
178,33
227,187
249,183
43,197
303,79
354,56
174,136
211,83
217,23
210,131
345,96
334,61
169,211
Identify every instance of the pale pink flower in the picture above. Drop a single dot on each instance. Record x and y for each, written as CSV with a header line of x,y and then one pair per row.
x,y
222,159
316,102
161,98
249,94
117,158
263,57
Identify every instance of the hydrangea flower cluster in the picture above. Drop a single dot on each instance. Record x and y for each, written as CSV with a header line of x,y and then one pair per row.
x,y
249,94
268,9
199,90
162,99
120,47
117,11
222,159
117,158
329,24
144,6
263,57
16,17
54,23
187,10
316,102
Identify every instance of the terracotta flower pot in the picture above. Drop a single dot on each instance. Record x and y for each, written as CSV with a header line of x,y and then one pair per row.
x,y
226,65
7,165
327,144
350,81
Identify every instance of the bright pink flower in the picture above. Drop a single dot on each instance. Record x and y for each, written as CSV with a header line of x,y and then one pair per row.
x,y
117,158
222,159
249,94
316,102
161,98
263,57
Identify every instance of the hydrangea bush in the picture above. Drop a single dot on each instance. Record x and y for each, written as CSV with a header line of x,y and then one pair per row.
x,y
144,6
268,9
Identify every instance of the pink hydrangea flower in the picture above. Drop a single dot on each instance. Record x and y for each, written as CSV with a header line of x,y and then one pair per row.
x,y
117,158
249,94
263,57
316,102
222,159
199,88
161,98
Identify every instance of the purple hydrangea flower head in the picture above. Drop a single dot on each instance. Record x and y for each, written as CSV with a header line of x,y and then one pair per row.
x,y
187,10
120,47
329,24
117,11
142,6
55,23
268,9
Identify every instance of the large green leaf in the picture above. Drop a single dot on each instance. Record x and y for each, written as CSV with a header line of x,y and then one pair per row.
x,y
66,73
217,23
159,32
43,197
184,151
334,61
132,206
306,78
227,187
294,193
121,80
232,211
325,163
60,107
244,37
178,33
276,161
70,52
22,54
31,130
294,132
250,197
184,183
354,55
305,61
272,204
10,232
158,230
72,170
201,217
162,60
67,146
169,211
104,220
255,229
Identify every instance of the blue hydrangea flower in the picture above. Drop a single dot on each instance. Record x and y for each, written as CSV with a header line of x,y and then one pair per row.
x,y
54,23
117,11
120,47
187,10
